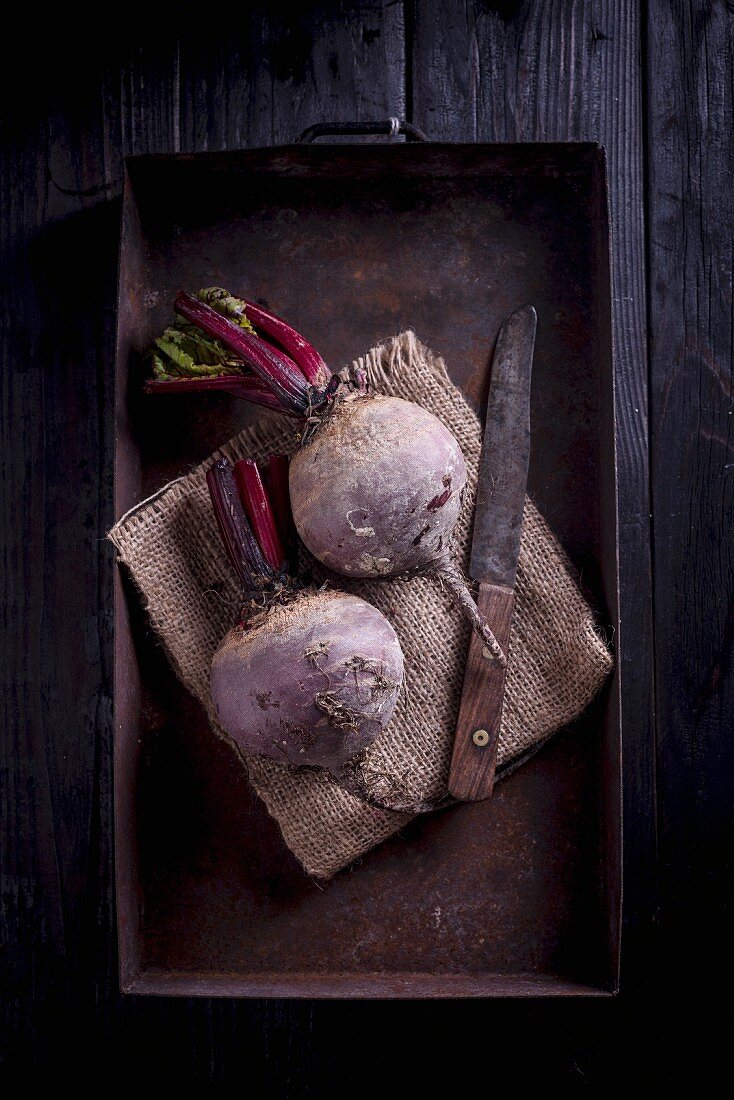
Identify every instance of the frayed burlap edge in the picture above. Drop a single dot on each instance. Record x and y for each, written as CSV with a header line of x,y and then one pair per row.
x,y
557,660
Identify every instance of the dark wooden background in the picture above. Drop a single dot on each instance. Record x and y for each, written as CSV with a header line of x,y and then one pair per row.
x,y
654,82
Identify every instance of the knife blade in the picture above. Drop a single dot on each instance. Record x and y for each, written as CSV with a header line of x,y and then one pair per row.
x,y
501,489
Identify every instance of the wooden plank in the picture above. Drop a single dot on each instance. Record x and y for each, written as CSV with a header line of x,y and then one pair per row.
x,y
57,320
556,72
280,73
691,124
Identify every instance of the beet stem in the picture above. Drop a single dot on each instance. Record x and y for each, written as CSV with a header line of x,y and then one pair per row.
x,y
280,498
304,354
259,512
249,388
275,368
240,544
453,580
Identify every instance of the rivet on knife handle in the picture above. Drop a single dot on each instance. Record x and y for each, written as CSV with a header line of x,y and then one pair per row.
x,y
475,756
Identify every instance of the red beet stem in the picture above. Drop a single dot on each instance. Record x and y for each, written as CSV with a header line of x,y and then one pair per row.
x,y
249,387
275,368
280,498
259,512
304,354
240,544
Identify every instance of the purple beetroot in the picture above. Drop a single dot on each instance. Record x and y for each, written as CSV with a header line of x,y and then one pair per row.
x,y
376,486
309,677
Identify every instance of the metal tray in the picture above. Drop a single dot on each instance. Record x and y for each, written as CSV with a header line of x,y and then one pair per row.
x,y
516,896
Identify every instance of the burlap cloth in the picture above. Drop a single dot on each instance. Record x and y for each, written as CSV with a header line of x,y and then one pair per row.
x,y
557,658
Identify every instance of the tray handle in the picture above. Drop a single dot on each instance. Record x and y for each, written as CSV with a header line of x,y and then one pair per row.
x,y
390,128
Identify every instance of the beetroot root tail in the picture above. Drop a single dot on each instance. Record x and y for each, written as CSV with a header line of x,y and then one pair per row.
x,y
453,581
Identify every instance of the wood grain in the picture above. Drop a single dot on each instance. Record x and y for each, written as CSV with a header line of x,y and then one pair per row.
x,y
473,764
503,70
691,66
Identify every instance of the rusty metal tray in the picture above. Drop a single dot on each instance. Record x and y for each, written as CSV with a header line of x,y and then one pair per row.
x,y
517,896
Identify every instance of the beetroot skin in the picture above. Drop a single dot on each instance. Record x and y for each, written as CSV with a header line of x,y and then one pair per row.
x,y
312,681
377,491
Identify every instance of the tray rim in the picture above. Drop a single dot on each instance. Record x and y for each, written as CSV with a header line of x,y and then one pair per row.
x,y
382,985
136,980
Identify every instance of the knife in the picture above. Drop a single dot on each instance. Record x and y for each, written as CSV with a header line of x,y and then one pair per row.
x,y
503,477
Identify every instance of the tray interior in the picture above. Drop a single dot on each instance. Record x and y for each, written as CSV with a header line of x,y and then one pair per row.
x,y
353,244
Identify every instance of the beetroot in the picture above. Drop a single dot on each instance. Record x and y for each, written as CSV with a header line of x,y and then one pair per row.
x,y
377,490
308,677
376,486
311,681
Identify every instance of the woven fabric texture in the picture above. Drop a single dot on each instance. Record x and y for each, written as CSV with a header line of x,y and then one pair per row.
x,y
557,658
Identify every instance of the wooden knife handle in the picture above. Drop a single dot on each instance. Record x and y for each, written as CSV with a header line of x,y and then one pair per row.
x,y
480,711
